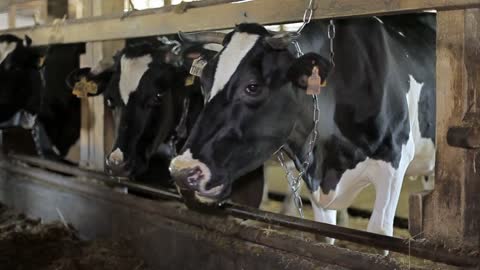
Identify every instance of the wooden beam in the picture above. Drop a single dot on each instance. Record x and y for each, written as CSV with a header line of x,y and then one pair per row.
x,y
169,20
451,211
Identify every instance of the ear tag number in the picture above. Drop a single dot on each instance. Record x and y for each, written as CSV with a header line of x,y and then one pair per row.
x,y
84,87
314,82
197,66
190,80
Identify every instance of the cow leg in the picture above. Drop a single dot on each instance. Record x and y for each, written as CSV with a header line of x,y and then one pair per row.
x,y
342,218
326,216
388,184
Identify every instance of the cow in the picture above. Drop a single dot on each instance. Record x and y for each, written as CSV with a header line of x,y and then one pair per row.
x,y
32,88
155,102
376,112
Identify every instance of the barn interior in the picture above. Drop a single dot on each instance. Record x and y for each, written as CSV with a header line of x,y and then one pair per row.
x,y
67,208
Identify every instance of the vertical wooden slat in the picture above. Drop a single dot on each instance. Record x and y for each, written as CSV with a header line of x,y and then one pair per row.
x,y
451,211
12,13
93,141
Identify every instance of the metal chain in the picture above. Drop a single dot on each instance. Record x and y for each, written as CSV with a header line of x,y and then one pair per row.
x,y
307,16
177,46
331,37
295,183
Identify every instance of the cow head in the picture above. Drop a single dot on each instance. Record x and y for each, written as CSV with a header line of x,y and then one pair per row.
x,y
18,61
144,87
254,90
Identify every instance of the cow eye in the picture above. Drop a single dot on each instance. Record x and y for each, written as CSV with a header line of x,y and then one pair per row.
x,y
253,89
157,99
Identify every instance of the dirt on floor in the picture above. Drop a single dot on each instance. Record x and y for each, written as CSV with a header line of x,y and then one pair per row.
x,y
29,244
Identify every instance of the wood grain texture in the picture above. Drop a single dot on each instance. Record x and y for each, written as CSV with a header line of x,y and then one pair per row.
x,y
198,17
452,209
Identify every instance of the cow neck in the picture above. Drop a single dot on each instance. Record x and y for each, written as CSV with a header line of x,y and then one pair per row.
x,y
298,143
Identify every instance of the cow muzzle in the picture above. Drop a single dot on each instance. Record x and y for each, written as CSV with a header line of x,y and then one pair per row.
x,y
115,164
193,175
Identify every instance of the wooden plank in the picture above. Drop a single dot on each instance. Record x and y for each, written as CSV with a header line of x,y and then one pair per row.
x,y
168,20
95,119
156,228
455,201
415,214
411,248
465,137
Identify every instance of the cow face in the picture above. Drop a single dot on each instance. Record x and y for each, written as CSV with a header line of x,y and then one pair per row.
x,y
144,88
251,111
17,63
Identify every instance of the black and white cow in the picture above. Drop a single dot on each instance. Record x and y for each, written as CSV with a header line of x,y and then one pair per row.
x,y
153,98
32,81
376,112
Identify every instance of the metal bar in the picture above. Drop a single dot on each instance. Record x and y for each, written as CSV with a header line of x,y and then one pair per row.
x,y
408,247
196,16
398,222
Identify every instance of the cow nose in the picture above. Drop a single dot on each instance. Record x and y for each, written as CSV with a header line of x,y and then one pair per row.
x,y
115,163
189,173
189,178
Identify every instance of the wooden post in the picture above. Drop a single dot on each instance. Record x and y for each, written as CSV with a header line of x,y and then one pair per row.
x,y
451,211
93,142
12,14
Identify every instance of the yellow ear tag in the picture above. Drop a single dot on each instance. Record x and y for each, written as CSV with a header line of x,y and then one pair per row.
x,y
314,83
84,87
190,80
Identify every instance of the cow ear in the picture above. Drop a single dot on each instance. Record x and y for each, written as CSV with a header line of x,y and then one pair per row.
x,y
309,72
84,84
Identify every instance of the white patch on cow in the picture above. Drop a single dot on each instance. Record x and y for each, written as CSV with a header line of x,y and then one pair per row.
x,y
6,48
116,156
326,216
387,181
350,184
230,58
101,66
423,163
132,70
213,47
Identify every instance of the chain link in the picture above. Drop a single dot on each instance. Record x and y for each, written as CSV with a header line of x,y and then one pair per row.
x,y
307,16
331,37
295,183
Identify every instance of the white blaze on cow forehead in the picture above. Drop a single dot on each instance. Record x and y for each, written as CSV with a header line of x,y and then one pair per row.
x,y
132,70
6,48
230,58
